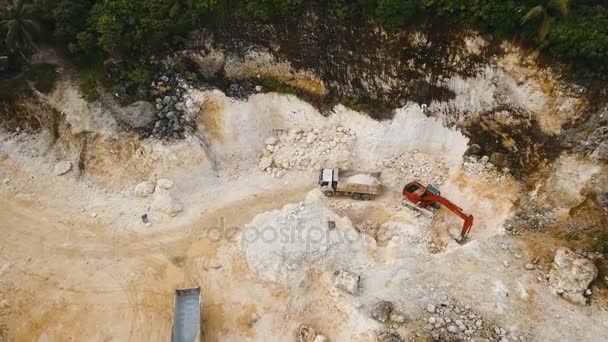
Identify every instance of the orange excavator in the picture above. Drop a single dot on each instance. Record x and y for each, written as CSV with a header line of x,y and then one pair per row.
x,y
428,199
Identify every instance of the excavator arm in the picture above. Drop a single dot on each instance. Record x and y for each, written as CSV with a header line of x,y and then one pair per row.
x,y
430,198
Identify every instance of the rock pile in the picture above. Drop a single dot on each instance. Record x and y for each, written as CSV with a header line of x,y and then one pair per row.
x,y
482,167
571,275
452,322
410,166
304,150
169,89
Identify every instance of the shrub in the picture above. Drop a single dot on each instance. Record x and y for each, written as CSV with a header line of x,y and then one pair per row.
x,y
89,86
395,13
11,88
269,9
141,76
601,244
500,17
583,40
347,9
355,104
41,76
275,85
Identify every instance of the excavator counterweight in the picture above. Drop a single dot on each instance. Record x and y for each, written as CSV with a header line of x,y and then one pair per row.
x,y
421,197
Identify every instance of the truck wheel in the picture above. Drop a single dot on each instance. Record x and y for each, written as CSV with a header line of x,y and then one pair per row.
x,y
328,193
366,197
356,197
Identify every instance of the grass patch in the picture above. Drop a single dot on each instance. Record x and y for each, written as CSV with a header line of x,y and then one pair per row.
x,y
275,85
355,104
601,244
90,81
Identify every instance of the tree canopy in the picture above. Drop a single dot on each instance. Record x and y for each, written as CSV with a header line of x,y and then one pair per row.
x,y
136,30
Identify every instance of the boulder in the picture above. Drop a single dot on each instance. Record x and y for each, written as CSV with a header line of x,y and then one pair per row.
x,y
265,163
452,329
397,317
62,168
306,334
347,281
144,189
597,144
138,114
386,336
271,141
381,311
571,274
164,183
311,137
163,202
473,150
321,338
499,159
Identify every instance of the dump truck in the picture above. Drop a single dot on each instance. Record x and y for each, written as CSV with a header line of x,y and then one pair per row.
x,y
187,315
358,185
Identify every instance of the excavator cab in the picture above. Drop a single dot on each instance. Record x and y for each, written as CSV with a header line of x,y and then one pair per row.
x,y
416,193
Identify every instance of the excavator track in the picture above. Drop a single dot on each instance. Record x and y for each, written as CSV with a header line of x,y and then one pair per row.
x,y
425,212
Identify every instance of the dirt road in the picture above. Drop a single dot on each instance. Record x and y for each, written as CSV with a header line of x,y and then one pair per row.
x,y
73,279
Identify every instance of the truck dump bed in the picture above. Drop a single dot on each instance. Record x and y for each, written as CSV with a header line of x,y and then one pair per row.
x,y
358,182
187,315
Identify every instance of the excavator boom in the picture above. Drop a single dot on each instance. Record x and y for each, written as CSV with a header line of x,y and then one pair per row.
x,y
468,219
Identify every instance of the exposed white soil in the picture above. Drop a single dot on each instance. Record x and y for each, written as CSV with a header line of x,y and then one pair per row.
x,y
77,262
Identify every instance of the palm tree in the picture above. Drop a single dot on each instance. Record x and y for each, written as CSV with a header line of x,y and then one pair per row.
x,y
547,12
18,25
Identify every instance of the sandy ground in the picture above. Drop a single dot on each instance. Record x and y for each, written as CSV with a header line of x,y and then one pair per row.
x,y
67,276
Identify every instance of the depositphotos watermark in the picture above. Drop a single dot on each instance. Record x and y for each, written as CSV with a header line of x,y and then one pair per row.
x,y
308,236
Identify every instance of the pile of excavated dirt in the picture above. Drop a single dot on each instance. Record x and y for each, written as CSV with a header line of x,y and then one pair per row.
x,y
411,166
452,322
307,150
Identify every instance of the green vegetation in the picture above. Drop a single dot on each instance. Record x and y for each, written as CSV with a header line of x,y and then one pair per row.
x,y
545,13
18,26
395,13
601,244
273,84
132,33
89,83
355,104
12,88
41,76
